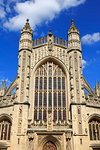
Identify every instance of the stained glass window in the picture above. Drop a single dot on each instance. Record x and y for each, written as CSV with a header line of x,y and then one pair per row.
x,y
55,99
49,93
55,115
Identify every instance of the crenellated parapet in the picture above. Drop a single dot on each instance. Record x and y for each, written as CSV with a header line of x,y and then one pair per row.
x,y
56,40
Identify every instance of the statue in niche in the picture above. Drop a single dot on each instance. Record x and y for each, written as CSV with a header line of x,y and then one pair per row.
x,y
49,119
31,142
50,45
68,144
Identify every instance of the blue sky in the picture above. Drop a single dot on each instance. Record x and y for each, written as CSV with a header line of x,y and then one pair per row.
x,y
45,15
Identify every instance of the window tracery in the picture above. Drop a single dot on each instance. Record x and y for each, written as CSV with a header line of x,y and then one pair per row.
x,y
50,92
5,129
94,129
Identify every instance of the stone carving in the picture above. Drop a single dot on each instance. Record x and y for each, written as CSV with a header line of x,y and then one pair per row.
x,y
40,138
93,101
50,45
68,140
7,100
49,121
23,76
36,57
20,120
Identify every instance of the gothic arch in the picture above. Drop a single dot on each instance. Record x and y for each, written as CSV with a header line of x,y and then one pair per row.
x,y
64,68
52,58
49,146
5,127
6,116
51,139
97,116
94,127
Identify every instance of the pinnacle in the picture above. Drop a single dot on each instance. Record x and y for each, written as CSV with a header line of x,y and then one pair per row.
x,y
72,25
72,20
27,26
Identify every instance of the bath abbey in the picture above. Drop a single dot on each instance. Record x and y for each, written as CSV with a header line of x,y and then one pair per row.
x,y
53,106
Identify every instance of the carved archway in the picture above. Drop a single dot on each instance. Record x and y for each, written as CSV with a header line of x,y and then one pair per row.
x,y
49,146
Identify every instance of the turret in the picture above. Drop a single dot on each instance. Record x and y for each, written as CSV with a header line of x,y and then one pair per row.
x,y
75,63
25,49
26,37
22,91
75,75
74,41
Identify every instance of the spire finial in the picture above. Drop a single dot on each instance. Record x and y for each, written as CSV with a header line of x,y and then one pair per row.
x,y
27,20
50,33
72,20
50,30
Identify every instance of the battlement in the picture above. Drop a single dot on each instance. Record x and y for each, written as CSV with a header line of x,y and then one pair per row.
x,y
60,41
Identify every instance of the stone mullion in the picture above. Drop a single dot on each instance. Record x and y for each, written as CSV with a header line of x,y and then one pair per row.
x,y
96,130
38,95
57,94
92,131
3,131
52,93
99,130
42,94
47,92
66,100
7,131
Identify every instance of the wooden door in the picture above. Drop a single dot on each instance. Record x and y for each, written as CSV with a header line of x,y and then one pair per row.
x,y
49,146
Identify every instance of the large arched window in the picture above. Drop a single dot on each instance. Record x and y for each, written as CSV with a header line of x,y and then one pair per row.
x,y
5,129
94,129
50,92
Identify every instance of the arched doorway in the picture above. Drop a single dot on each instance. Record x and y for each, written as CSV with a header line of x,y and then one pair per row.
x,y
49,146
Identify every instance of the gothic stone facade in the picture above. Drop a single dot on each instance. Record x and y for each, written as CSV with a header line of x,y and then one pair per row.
x,y
49,110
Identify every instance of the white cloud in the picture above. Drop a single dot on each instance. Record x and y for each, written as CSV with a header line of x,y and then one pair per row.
x,y
2,12
91,38
84,63
38,11
1,2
